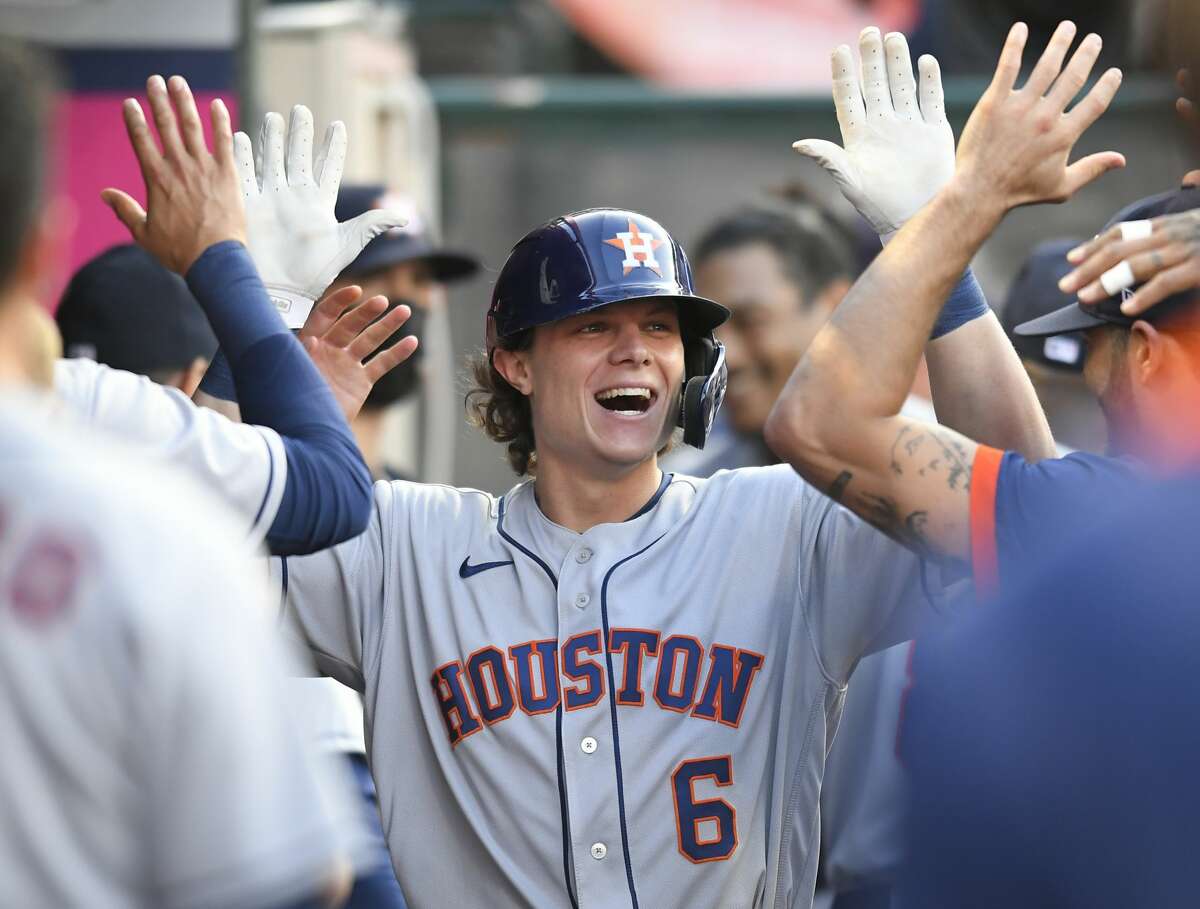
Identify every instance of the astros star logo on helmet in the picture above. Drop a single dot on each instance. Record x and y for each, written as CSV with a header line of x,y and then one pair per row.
x,y
638,248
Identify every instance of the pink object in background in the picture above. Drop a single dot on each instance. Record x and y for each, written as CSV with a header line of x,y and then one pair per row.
x,y
93,153
723,45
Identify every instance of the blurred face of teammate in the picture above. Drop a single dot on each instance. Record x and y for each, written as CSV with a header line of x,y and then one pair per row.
x,y
603,386
1147,380
769,330
410,282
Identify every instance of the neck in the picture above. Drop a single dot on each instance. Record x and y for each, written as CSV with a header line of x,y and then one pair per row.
x,y
368,432
579,502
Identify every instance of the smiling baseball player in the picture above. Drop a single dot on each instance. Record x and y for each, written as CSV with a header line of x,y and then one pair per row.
x,y
610,686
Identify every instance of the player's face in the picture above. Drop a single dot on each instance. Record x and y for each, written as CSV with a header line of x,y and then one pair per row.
x,y
605,385
768,332
411,282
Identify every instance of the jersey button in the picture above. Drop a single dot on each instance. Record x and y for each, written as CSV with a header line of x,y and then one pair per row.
x,y
584,555
588,745
599,850
582,599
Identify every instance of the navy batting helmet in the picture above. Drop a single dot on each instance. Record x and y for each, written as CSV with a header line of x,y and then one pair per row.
x,y
592,258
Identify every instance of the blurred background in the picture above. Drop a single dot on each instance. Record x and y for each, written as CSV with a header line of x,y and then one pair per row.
x,y
496,115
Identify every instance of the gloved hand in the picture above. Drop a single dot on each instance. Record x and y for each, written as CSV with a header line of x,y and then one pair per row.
x,y
296,242
899,148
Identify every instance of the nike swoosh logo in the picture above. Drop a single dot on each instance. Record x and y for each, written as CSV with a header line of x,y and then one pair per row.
x,y
466,569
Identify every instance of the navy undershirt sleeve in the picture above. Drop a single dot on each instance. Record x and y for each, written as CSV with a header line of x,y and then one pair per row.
x,y
327,494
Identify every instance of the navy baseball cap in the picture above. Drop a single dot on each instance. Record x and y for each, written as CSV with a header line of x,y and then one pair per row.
x,y
400,244
1035,294
126,310
1079,317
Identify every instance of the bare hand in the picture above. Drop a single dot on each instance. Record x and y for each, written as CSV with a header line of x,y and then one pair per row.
x,y
192,197
1165,262
1014,148
341,332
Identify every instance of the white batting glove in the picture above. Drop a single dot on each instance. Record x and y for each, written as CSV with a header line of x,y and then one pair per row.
x,y
899,148
296,242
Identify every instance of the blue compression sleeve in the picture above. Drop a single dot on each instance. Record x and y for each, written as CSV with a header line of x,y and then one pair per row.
x,y
965,304
218,378
327,496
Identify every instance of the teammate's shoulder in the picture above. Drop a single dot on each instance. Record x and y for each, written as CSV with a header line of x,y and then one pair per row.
x,y
408,495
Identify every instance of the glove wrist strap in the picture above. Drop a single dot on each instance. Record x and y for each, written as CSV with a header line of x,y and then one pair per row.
x,y
293,307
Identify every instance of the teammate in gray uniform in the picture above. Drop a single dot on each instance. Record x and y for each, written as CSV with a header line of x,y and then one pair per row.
x,y
148,756
610,686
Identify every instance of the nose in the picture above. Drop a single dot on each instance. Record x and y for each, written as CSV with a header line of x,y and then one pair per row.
x,y
629,346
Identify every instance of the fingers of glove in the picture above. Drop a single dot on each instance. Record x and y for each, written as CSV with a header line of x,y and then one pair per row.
x,y
271,176
329,309
877,97
1008,67
830,156
371,339
243,155
299,147
164,118
351,324
387,360
900,76
370,224
1074,76
933,105
1050,63
333,159
1185,276
127,210
847,97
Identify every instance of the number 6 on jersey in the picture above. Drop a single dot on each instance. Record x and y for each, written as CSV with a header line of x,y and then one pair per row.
x,y
695,818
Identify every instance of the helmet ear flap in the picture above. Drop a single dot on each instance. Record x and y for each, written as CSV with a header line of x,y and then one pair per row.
x,y
704,391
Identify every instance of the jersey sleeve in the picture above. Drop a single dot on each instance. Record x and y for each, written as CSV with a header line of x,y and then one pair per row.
x,y
245,465
334,601
1019,508
243,809
860,590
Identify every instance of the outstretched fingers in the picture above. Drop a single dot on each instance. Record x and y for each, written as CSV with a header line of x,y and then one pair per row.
x,y
333,159
1009,64
900,76
1095,102
127,210
222,128
243,156
1085,170
329,309
933,105
387,360
373,337
351,324
299,147
877,95
138,130
191,130
1075,76
164,118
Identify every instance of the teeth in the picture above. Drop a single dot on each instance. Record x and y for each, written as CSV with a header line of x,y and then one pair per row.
x,y
623,392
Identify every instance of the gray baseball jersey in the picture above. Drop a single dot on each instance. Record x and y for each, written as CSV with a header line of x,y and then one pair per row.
x,y
635,715
245,465
149,758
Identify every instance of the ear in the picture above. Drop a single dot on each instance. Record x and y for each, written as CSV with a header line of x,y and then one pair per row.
x,y
513,365
1147,352
831,295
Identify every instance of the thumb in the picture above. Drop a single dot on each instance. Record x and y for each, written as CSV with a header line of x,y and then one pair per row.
x,y
829,155
1085,170
371,224
127,210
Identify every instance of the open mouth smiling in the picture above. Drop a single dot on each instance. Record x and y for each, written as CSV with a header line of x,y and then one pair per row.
x,y
629,401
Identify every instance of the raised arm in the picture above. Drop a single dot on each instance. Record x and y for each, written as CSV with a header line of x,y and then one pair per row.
x,y
195,224
837,421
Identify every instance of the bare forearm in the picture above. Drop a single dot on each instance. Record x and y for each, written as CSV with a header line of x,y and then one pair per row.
x,y
868,352
981,389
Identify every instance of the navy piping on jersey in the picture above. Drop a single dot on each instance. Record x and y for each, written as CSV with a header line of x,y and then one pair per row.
x,y
558,745
612,706
658,494
270,483
283,584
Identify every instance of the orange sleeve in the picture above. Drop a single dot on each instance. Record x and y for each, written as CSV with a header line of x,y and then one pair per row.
x,y
984,563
